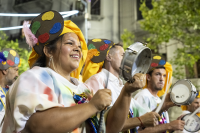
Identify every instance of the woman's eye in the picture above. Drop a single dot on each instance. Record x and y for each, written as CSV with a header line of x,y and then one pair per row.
x,y
69,43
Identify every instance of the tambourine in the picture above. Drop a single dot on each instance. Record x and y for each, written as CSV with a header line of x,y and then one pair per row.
x,y
192,123
183,92
137,59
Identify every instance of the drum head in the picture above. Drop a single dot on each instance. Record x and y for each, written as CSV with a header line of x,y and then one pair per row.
x,y
142,62
181,92
192,124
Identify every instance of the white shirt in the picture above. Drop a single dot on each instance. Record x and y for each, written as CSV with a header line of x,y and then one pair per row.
x,y
147,100
99,80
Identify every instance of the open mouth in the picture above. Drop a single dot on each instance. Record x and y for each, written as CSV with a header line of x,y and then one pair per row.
x,y
75,56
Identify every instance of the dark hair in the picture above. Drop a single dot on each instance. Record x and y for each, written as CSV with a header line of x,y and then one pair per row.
x,y
51,48
150,72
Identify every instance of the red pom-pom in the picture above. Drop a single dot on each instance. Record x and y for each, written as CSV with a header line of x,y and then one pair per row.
x,y
103,47
11,63
154,64
43,38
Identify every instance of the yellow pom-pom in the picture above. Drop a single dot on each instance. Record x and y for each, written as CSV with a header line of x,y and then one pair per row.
x,y
48,16
12,52
96,40
157,57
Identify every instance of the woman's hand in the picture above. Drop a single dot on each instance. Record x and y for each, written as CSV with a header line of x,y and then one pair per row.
x,y
139,82
101,99
150,119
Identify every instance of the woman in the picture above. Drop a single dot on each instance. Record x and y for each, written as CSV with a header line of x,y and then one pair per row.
x,y
43,99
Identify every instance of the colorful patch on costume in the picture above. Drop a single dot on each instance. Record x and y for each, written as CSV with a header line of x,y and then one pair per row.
x,y
103,47
162,62
16,60
5,53
35,26
12,52
157,57
154,64
11,63
43,38
91,46
107,41
96,40
48,16
19,63
2,57
4,62
56,27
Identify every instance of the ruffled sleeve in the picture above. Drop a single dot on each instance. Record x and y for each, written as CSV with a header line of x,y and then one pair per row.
x,y
33,91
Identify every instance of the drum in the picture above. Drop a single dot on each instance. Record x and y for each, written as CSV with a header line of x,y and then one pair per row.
x,y
137,59
183,92
192,123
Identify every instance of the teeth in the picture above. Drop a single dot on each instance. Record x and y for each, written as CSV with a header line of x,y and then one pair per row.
x,y
75,56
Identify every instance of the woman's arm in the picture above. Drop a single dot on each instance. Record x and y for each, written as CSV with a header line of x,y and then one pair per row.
x,y
66,119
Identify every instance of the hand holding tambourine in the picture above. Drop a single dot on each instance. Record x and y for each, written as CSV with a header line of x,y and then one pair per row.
x,y
138,82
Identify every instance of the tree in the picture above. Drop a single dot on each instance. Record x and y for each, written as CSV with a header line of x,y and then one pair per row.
x,y
23,53
127,38
174,20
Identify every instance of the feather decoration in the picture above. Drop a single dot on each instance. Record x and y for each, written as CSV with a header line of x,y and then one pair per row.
x,y
2,57
31,40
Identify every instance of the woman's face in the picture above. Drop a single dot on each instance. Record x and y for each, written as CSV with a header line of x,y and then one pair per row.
x,y
68,53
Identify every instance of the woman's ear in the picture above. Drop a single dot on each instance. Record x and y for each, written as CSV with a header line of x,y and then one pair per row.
x,y
47,52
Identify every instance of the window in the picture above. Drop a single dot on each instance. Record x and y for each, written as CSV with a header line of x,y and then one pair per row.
x,y
139,13
95,7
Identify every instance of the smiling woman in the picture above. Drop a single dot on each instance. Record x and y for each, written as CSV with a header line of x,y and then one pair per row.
x,y
48,98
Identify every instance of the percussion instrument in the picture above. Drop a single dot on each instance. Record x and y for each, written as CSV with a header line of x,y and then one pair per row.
x,y
192,122
183,92
137,59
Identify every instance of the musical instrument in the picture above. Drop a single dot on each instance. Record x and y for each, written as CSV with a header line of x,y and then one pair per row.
x,y
192,122
137,59
183,92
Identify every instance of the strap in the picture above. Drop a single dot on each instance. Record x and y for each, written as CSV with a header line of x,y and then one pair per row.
x,y
2,99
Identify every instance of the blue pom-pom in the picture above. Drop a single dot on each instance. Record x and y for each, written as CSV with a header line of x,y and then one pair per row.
x,y
56,27
2,57
162,62
16,60
107,41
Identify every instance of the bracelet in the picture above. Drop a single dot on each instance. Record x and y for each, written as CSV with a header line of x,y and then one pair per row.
x,y
142,125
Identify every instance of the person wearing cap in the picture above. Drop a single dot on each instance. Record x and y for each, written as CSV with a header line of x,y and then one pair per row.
x,y
190,109
48,98
102,67
9,59
158,78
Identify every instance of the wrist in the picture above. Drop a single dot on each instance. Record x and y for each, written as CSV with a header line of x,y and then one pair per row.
x,y
125,92
92,107
168,126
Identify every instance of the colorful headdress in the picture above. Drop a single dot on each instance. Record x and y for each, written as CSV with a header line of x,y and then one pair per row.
x,y
98,49
158,61
8,58
47,27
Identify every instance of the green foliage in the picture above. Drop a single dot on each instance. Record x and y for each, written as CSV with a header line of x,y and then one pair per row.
x,y
174,20
23,53
127,38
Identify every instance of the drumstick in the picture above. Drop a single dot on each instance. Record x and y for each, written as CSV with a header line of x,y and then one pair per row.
x,y
194,112
102,112
163,99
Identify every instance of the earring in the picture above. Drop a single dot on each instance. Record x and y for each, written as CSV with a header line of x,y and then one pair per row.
x,y
50,60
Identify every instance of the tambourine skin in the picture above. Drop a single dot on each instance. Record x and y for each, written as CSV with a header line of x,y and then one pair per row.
x,y
137,59
192,120
183,92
